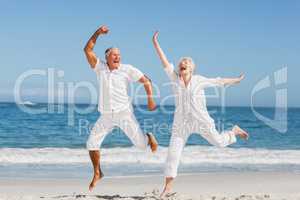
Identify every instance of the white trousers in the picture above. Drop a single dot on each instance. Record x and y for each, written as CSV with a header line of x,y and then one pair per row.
x,y
182,129
126,121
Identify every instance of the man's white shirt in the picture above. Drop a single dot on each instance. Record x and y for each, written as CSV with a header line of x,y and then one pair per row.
x,y
113,86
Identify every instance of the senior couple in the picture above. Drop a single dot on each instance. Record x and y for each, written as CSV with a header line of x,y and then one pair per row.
x,y
190,116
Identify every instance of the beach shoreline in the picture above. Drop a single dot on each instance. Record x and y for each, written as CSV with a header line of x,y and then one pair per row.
x,y
220,185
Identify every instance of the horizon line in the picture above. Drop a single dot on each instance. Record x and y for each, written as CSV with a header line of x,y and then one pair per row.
x,y
84,103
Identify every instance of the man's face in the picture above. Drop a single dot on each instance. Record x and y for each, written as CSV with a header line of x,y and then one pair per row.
x,y
185,67
113,58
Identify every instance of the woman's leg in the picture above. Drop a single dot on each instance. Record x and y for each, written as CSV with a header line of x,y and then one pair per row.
x,y
208,131
168,186
174,153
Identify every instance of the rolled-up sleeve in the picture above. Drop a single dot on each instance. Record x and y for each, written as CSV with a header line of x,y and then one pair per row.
x,y
100,65
211,82
134,74
170,72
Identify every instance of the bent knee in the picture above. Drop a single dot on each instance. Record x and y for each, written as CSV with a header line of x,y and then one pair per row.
x,y
92,146
93,142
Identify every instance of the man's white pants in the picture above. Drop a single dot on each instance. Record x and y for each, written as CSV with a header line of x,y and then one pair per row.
x,y
124,120
182,129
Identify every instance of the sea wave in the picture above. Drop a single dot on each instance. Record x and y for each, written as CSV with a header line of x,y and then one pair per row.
x,y
192,155
29,103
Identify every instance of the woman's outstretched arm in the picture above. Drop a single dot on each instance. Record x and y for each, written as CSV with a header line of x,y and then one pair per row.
x,y
221,82
232,81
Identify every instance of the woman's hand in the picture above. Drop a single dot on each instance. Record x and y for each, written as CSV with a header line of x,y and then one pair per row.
x,y
155,36
241,77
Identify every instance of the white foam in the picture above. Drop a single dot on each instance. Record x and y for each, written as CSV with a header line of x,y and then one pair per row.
x,y
191,156
29,103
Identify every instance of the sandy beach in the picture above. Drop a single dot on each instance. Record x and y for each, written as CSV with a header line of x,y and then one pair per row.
x,y
214,186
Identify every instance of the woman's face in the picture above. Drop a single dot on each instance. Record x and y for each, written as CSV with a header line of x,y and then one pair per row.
x,y
185,67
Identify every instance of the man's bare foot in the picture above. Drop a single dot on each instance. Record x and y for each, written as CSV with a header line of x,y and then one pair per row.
x,y
240,132
97,176
152,142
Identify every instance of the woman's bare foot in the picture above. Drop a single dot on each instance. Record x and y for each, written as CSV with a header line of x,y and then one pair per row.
x,y
240,132
168,188
97,176
152,142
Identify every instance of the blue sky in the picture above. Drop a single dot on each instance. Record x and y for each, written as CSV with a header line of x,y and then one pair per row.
x,y
225,38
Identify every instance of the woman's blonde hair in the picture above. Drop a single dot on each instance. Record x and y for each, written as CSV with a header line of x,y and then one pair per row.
x,y
189,59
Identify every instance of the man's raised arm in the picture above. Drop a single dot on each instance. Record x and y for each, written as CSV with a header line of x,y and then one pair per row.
x,y
88,49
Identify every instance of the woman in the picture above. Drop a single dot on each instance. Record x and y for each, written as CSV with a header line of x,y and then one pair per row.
x,y
191,115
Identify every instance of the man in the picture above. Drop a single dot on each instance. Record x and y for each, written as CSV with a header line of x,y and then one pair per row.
x,y
114,102
191,115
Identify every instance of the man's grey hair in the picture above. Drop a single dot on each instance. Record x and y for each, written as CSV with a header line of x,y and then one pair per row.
x,y
108,51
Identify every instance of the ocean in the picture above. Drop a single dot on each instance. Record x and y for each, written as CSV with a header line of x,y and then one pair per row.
x,y
52,143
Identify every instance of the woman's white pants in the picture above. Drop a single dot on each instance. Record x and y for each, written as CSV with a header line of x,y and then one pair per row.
x,y
182,129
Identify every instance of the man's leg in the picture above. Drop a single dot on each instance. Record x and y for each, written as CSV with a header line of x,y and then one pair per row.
x,y
102,127
95,158
131,128
152,142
